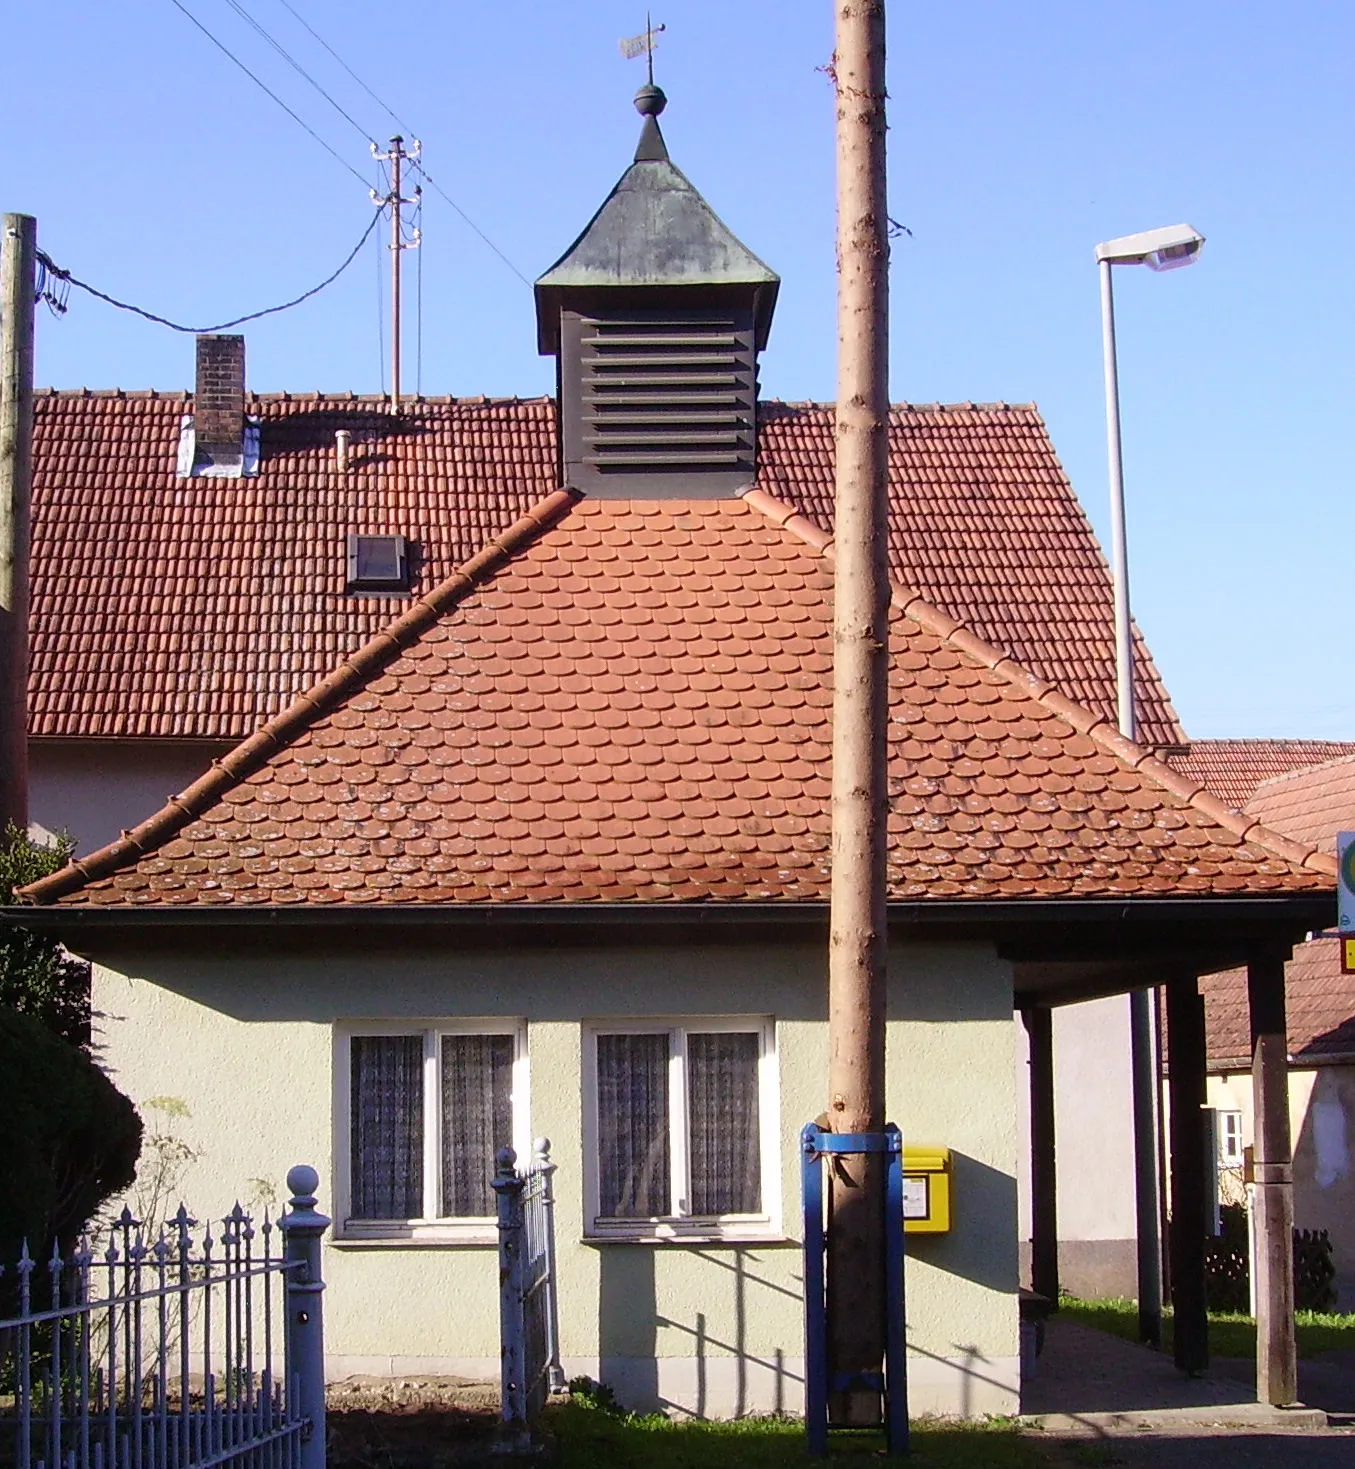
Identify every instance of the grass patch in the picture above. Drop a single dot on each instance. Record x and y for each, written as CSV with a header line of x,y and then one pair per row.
x,y
1230,1333
588,1436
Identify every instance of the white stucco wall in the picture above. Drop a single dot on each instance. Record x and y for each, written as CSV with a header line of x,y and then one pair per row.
x,y
1094,1145
1322,1135
246,1044
95,788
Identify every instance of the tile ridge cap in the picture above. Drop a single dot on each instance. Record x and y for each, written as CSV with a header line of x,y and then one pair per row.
x,y
1298,772
253,752
788,517
912,604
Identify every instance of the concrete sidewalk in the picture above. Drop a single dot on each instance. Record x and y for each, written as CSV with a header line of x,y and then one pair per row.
x,y
1090,1381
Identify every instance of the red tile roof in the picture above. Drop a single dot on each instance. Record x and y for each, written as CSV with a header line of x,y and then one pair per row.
x,y
1234,768
200,608
631,700
1310,805
1321,1012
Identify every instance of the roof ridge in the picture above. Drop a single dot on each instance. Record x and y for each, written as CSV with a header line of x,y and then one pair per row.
x,y
1252,741
1298,772
252,753
348,396
1096,727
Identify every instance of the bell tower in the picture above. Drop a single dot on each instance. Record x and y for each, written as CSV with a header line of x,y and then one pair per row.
x,y
655,315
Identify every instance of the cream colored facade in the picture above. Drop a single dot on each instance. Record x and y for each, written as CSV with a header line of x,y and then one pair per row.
x,y
1322,1135
93,789
245,1042
1094,1148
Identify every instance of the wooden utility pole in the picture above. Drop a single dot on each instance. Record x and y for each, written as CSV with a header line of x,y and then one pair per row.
x,y
18,271
857,941
1276,1346
396,158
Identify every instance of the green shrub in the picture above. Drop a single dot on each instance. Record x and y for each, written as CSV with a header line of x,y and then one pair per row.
x,y
71,1140
37,976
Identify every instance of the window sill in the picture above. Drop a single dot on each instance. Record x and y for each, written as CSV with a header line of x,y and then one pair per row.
x,y
422,1237
747,1234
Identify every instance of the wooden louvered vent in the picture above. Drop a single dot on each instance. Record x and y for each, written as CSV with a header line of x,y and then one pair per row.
x,y
662,404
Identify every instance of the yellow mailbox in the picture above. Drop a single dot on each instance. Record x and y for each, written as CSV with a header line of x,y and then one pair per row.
x,y
926,1190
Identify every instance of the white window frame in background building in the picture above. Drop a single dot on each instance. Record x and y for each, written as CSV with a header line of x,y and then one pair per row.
x,y
1229,1125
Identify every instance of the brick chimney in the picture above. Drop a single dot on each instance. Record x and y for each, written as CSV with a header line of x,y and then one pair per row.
x,y
219,394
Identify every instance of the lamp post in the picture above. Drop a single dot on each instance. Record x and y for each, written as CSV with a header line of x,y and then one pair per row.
x,y
1163,249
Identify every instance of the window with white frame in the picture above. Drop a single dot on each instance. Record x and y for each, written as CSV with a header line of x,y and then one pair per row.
x,y
422,1109
1230,1139
682,1120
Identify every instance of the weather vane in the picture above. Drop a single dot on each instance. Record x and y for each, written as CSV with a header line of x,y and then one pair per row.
x,y
643,45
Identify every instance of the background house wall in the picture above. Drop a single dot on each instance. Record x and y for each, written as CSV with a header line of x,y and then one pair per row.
x,y
1322,1134
245,1041
95,788
1094,1142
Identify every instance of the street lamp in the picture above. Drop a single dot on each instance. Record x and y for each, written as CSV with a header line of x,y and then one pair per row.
x,y
1164,249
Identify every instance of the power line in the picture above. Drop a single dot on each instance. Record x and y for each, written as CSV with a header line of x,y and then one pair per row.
x,y
418,316
410,131
65,275
380,320
385,107
298,68
437,188
225,50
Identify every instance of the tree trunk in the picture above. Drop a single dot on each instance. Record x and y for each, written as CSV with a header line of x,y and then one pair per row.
x,y
857,953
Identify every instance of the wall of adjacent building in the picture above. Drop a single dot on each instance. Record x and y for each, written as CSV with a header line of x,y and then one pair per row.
x,y
94,789
1094,1144
242,1047
1322,1134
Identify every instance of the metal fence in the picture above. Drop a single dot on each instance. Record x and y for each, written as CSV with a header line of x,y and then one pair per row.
x,y
170,1349
528,1313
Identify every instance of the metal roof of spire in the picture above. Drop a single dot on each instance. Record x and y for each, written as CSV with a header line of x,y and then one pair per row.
x,y
653,229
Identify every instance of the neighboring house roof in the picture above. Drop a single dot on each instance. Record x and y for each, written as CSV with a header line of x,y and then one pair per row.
x,y
200,608
1310,805
1234,768
1321,1010
621,700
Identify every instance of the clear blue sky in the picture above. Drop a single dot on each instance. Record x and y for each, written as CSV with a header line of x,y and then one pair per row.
x,y
1020,136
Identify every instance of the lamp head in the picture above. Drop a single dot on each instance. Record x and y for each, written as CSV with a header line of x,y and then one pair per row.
x,y
1164,249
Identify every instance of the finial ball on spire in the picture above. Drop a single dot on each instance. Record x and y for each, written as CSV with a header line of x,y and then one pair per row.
x,y
650,100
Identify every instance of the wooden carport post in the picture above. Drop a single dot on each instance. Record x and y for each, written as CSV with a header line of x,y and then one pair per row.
x,y
1276,1349
1044,1213
1189,1197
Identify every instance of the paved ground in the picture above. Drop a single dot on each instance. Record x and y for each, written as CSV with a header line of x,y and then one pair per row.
x,y
1097,1400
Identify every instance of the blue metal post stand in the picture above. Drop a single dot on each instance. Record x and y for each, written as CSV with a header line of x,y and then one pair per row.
x,y
816,1143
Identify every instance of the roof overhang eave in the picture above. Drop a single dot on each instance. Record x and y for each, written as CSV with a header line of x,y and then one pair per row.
x,y
1008,921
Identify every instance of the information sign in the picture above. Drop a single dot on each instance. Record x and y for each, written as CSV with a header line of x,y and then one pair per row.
x,y
1345,881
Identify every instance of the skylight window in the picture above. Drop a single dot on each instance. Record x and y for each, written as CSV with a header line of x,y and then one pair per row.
x,y
378,563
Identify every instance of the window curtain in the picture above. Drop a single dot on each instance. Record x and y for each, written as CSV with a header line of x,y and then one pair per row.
x,y
387,1118
722,1090
633,1162
477,1119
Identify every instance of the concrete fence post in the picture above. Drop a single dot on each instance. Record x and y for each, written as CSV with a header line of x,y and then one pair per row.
x,y
303,1228
542,1164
